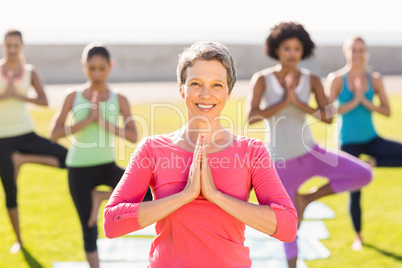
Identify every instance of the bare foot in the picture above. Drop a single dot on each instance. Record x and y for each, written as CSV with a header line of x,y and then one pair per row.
x,y
357,245
96,202
372,162
17,246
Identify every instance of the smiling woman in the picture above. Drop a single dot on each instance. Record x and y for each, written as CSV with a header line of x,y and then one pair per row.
x,y
201,210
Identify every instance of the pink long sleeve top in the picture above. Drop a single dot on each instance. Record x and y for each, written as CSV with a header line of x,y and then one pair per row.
x,y
198,234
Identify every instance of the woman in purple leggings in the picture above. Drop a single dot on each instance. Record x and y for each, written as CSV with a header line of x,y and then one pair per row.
x,y
279,96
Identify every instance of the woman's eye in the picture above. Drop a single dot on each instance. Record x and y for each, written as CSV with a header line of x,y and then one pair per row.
x,y
217,85
194,84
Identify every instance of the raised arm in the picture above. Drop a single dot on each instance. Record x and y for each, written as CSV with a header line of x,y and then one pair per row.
x,y
255,93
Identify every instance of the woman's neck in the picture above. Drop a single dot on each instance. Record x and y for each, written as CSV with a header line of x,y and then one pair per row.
x,y
215,135
355,69
10,63
285,69
97,87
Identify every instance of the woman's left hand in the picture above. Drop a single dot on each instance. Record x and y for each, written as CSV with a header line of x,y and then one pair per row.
x,y
290,86
208,188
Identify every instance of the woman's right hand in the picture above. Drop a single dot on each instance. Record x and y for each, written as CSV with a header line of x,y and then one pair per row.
x,y
9,92
290,88
359,89
94,114
193,186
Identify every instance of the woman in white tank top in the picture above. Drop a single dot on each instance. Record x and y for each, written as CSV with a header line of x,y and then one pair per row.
x,y
280,96
18,141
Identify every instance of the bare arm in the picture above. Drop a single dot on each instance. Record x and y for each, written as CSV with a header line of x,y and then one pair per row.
x,y
324,110
260,217
378,86
40,98
58,128
256,91
335,83
129,131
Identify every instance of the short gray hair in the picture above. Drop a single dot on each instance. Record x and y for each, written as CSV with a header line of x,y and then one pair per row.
x,y
207,50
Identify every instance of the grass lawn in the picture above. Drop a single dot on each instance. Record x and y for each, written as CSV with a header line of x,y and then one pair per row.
x,y
51,230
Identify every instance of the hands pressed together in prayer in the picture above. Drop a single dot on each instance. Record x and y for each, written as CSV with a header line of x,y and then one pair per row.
x,y
290,86
10,91
200,181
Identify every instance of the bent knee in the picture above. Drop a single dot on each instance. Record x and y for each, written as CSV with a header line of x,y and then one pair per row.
x,y
365,175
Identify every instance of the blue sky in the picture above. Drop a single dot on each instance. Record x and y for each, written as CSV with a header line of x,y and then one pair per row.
x,y
171,21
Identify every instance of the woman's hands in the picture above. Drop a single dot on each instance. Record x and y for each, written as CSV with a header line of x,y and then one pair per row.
x,y
193,186
10,91
359,89
94,114
200,181
290,87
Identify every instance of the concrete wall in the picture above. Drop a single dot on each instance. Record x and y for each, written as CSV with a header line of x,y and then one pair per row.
x,y
59,64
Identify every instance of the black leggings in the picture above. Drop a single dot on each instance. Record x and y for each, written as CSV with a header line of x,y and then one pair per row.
x,y
82,181
387,154
28,144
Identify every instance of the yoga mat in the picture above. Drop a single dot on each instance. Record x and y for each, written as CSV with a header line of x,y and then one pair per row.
x,y
256,264
313,229
314,211
309,249
147,231
318,211
59,264
276,264
124,249
137,249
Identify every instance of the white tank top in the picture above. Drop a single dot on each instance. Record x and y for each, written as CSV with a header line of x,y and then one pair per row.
x,y
287,132
14,116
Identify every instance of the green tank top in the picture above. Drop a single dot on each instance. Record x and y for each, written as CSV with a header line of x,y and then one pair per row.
x,y
93,145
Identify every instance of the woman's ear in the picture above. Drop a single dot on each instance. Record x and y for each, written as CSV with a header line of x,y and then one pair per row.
x,y
181,90
83,66
111,64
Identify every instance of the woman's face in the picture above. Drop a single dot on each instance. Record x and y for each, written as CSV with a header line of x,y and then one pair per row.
x,y
290,52
205,89
12,46
356,53
97,69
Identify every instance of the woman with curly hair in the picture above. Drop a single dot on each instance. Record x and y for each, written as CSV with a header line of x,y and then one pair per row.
x,y
280,97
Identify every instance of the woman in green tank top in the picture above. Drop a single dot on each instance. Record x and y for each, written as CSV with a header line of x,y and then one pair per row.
x,y
95,111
